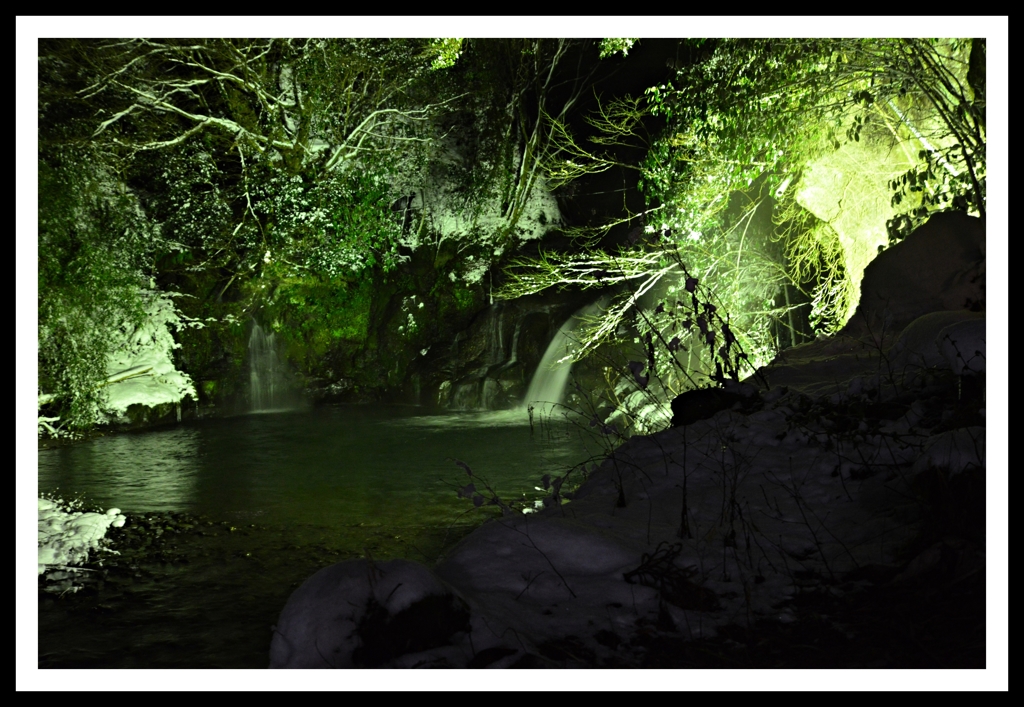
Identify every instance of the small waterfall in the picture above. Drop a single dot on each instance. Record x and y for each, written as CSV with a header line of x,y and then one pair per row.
x,y
265,371
547,387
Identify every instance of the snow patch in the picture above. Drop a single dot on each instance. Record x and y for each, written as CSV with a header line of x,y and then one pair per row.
x,y
67,536
142,371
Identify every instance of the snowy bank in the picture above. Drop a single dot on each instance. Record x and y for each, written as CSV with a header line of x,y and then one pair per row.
x,y
142,371
66,537
142,383
824,478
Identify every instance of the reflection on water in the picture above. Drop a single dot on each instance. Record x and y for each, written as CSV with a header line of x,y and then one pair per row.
x,y
157,471
480,418
331,466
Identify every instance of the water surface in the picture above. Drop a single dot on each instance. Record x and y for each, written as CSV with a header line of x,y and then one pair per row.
x,y
281,494
330,467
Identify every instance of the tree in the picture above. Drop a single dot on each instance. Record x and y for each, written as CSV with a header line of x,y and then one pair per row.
x,y
266,150
93,240
278,171
747,121
483,186
779,113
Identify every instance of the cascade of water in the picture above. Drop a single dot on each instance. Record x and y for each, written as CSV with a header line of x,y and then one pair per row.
x,y
264,370
547,387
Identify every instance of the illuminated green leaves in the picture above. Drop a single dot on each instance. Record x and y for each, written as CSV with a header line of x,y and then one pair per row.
x,y
610,46
446,52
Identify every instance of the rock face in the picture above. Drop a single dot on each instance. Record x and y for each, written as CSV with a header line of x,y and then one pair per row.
x,y
490,364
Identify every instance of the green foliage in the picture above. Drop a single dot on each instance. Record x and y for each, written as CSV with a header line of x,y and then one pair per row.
x,y
465,299
615,45
316,316
927,96
268,173
738,117
184,189
93,243
330,226
938,186
759,112
743,124
815,255
248,151
446,52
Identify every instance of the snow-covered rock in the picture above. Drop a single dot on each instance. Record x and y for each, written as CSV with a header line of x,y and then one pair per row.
x,y
918,343
955,451
938,267
962,345
66,537
366,614
933,279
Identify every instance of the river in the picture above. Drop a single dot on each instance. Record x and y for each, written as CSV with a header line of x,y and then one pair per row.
x,y
247,507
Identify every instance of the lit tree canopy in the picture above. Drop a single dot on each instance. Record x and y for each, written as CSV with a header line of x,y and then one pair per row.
x,y
746,121
240,168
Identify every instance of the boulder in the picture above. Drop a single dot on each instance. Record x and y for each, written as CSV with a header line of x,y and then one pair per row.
x,y
962,345
938,267
934,340
922,301
362,614
700,404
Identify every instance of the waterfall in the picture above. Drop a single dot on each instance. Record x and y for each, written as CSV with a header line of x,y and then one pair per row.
x,y
547,387
265,372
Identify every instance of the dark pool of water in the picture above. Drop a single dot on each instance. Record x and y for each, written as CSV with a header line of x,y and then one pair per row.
x,y
280,495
